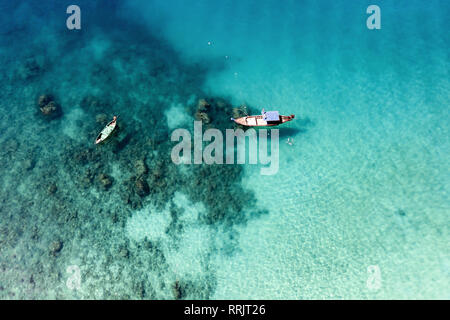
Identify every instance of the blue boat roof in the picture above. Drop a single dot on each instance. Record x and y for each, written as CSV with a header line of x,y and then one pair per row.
x,y
271,116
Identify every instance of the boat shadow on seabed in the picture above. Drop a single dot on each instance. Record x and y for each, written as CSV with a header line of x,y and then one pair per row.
x,y
302,126
118,139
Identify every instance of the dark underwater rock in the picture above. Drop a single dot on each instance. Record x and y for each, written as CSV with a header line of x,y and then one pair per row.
x,y
215,112
142,188
203,105
55,247
48,107
238,113
52,188
44,100
141,167
35,233
188,288
9,237
87,179
139,290
203,117
70,216
83,156
105,180
177,290
133,190
124,252
201,113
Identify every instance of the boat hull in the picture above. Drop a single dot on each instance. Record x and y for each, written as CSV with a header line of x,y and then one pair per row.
x,y
258,121
106,132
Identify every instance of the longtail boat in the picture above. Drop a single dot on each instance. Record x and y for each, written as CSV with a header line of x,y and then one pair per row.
x,y
266,119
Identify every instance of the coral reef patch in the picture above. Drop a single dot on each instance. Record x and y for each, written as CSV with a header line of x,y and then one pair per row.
x,y
76,197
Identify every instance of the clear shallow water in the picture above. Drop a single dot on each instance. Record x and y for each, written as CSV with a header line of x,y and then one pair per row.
x,y
365,182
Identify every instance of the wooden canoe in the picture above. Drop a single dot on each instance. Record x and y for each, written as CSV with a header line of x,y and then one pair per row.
x,y
106,132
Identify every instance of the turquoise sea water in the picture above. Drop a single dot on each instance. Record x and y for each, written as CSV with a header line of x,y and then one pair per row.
x,y
364,186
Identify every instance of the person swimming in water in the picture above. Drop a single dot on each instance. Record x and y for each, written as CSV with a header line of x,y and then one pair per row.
x,y
290,141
